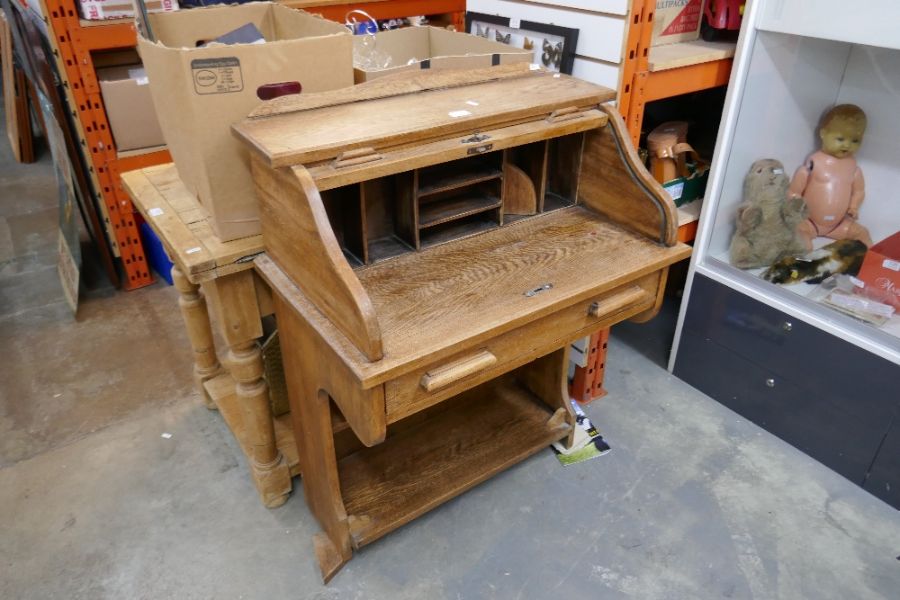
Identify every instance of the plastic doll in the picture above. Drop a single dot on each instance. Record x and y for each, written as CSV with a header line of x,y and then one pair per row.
x,y
830,182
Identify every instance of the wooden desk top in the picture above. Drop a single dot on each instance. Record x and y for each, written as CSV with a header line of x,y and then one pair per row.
x,y
429,302
413,112
183,227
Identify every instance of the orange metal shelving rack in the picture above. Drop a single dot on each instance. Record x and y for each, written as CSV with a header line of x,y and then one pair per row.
x,y
72,43
336,10
639,85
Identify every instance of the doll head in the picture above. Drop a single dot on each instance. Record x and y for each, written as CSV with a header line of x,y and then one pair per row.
x,y
842,130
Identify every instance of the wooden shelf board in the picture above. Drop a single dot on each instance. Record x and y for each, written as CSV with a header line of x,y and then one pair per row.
x,y
221,390
685,54
458,180
454,231
494,426
141,151
443,211
690,212
387,247
354,260
554,201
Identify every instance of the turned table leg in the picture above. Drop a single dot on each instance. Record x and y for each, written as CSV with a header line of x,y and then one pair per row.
x,y
196,320
267,464
238,314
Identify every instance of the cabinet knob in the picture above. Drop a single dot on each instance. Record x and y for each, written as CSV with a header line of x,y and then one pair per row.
x,y
770,382
787,326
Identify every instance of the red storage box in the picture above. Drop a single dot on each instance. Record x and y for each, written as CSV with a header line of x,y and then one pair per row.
x,y
880,271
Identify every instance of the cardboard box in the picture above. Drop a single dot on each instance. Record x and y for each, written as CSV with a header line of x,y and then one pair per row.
x,y
415,48
129,107
676,21
880,271
199,92
99,10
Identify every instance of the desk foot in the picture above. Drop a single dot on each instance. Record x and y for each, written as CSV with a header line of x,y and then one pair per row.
x,y
273,482
330,557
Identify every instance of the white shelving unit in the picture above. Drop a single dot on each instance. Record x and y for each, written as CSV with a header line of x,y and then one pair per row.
x,y
818,379
794,60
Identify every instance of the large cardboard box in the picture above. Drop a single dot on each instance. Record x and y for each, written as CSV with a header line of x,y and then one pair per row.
x,y
99,10
676,21
880,271
415,48
199,92
129,107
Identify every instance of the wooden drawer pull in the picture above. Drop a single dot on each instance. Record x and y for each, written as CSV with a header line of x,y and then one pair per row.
x,y
356,157
615,303
565,114
449,373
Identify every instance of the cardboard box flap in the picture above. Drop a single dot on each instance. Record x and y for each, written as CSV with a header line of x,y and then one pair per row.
x,y
430,48
328,131
276,23
199,92
417,44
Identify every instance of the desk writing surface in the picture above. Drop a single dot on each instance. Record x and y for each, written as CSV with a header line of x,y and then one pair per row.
x,y
441,297
429,302
322,133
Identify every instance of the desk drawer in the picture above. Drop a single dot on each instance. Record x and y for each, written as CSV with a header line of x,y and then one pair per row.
x,y
476,364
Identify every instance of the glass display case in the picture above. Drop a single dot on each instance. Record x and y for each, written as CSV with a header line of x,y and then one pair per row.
x,y
806,370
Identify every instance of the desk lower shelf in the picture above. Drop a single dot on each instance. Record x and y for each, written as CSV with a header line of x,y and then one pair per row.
x,y
481,433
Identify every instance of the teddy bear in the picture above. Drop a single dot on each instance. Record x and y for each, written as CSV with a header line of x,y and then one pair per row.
x,y
767,219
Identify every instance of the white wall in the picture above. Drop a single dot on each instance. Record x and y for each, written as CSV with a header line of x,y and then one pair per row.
x,y
601,25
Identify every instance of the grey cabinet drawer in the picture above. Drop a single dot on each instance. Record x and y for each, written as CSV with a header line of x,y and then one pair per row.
x,y
825,396
824,426
814,360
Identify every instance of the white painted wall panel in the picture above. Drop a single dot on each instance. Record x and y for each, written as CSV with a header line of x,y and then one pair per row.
x,y
601,73
600,35
611,7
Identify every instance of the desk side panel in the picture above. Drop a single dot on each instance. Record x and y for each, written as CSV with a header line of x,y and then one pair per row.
x,y
299,238
614,183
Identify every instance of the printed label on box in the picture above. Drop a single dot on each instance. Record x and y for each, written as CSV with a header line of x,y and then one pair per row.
x,y
217,75
688,19
675,189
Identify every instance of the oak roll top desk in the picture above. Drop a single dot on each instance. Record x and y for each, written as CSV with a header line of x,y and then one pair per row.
x,y
433,244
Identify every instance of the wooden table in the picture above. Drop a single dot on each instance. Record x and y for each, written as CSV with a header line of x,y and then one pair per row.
x,y
430,268
206,269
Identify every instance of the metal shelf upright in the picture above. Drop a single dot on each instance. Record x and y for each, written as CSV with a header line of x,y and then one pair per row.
x,y
654,73
649,74
72,41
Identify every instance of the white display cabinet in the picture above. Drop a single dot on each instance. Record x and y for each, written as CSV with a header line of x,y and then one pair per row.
x,y
795,59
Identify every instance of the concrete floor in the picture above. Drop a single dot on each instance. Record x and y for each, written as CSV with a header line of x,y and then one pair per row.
x,y
693,501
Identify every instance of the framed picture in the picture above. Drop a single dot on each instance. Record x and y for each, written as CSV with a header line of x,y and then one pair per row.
x,y
553,46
